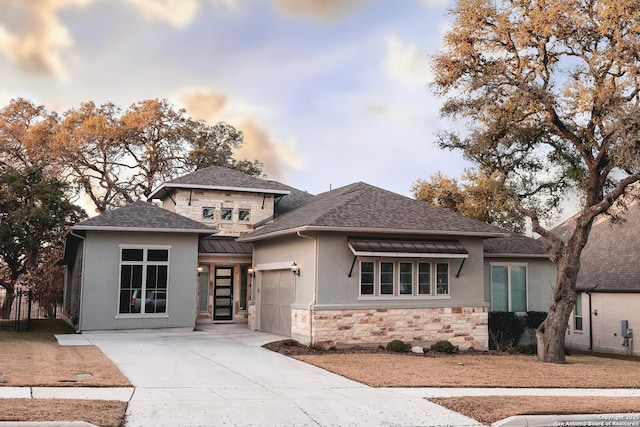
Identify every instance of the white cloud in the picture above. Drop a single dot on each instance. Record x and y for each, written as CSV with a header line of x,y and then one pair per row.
x,y
203,104
406,64
322,9
178,13
33,37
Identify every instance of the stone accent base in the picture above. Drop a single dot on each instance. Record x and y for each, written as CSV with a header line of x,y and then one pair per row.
x,y
466,327
251,317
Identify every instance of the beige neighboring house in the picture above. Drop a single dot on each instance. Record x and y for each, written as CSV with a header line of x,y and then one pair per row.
x,y
607,313
355,265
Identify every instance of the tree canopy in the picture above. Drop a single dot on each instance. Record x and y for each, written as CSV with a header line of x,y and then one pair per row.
x,y
550,91
478,195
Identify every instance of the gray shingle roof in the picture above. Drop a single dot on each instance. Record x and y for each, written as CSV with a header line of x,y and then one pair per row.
x,y
610,262
363,207
515,244
143,216
219,177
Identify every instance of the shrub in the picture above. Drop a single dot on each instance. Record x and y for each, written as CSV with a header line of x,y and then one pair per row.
x,y
505,330
534,319
527,349
443,347
397,346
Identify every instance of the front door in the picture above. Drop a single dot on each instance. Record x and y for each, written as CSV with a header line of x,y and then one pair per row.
x,y
223,294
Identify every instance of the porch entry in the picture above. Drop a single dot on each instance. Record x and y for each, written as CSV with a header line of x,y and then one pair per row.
x,y
223,293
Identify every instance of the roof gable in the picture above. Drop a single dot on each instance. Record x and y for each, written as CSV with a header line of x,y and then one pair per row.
x,y
515,245
222,178
363,207
609,261
143,216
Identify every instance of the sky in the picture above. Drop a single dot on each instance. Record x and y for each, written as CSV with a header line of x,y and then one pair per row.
x,y
326,92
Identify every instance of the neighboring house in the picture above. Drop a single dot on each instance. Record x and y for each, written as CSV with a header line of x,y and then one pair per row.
x,y
355,265
608,286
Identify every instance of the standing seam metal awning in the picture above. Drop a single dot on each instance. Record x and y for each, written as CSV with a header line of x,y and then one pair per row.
x,y
408,248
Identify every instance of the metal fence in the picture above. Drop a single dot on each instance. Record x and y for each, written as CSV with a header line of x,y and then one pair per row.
x,y
26,306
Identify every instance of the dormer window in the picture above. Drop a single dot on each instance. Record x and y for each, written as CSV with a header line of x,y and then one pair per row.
x,y
226,214
244,215
208,213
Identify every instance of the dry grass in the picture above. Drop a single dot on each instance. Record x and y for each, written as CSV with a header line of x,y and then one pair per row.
x,y
490,409
99,412
35,359
405,370
517,371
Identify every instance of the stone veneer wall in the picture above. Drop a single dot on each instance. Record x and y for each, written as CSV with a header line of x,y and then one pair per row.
x,y
466,327
251,316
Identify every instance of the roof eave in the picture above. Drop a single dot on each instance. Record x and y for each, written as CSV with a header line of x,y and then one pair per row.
x,y
514,255
154,194
394,231
144,229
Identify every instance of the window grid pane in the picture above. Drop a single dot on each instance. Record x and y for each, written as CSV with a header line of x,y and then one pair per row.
x,y
518,288
143,286
406,278
442,279
386,278
424,278
366,278
499,288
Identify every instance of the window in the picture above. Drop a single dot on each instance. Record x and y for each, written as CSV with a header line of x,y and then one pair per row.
x,y
143,280
509,288
442,279
226,214
244,215
402,278
424,278
577,313
366,278
386,278
208,213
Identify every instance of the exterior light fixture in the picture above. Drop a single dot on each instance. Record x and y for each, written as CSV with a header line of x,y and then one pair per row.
x,y
200,269
295,269
252,271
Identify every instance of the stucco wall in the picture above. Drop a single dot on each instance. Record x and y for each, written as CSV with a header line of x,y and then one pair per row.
x,y
101,280
541,278
337,290
611,309
189,203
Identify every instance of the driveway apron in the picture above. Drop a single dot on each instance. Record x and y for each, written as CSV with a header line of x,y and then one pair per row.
x,y
222,377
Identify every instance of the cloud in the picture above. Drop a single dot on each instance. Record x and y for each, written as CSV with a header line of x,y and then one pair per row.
x,y
406,64
259,144
178,13
33,37
321,9
203,104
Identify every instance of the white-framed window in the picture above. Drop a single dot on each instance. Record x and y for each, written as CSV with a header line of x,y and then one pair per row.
x,y
144,279
244,215
386,278
509,287
208,213
577,313
226,214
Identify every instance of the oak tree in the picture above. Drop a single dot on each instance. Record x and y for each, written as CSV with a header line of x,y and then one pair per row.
x,y
550,90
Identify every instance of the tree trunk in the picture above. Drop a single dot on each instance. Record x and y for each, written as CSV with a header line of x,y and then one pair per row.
x,y
551,333
5,309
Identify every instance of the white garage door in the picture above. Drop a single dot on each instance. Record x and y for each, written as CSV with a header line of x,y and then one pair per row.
x,y
276,296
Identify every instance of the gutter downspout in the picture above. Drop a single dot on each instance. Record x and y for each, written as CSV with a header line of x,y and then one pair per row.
x,y
315,287
84,249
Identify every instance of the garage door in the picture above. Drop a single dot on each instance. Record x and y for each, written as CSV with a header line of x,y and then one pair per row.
x,y
276,296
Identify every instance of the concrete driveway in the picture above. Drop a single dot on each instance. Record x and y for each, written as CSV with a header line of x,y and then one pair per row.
x,y
222,377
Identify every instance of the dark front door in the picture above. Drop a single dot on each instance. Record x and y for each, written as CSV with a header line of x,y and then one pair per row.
x,y
223,294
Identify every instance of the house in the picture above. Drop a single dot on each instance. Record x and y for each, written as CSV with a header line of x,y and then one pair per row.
x,y
355,265
608,286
